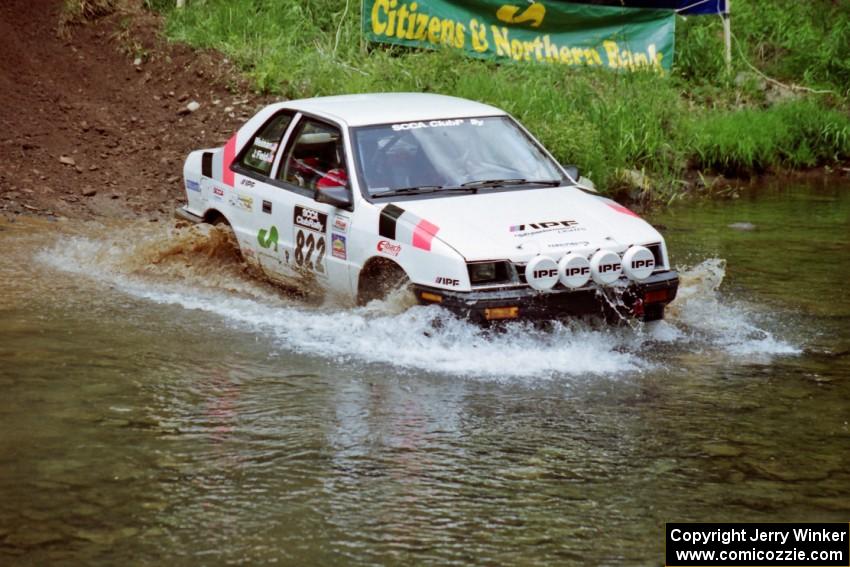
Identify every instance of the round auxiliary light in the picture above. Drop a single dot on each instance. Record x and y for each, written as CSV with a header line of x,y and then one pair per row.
x,y
638,263
541,273
605,267
574,270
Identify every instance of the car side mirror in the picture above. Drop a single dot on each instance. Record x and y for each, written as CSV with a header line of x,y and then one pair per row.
x,y
339,197
573,172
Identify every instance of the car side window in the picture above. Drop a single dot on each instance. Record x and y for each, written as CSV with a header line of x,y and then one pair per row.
x,y
261,151
316,159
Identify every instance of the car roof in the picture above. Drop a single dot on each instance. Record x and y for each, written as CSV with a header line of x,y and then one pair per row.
x,y
389,108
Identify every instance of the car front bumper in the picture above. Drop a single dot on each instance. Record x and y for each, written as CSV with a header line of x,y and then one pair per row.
x,y
644,300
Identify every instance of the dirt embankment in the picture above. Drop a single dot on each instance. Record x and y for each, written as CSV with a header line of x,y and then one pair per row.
x,y
94,120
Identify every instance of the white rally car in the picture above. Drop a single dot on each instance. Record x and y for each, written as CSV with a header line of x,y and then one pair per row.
x,y
355,195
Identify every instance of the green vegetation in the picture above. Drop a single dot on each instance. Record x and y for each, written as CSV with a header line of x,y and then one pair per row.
x,y
76,11
793,134
703,116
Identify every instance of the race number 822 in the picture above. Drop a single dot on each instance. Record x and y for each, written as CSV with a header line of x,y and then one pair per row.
x,y
305,247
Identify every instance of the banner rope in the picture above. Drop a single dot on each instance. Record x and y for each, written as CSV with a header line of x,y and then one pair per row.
x,y
339,28
790,87
694,5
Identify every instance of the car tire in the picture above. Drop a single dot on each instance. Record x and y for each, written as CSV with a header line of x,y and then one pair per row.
x,y
379,280
232,245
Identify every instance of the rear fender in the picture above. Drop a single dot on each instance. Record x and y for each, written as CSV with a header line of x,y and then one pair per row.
x,y
196,200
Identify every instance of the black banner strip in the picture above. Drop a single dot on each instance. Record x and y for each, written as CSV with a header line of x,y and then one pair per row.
x,y
387,221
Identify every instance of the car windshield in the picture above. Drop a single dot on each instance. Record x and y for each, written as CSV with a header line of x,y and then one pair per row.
x,y
455,154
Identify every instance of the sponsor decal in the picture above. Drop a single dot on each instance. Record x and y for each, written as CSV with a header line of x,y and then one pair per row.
x,y
569,244
310,219
242,202
340,223
247,182
637,264
267,206
448,281
535,228
338,248
193,185
545,273
431,124
543,225
580,271
613,267
218,193
268,238
387,247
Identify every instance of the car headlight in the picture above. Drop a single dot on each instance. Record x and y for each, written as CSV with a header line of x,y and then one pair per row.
x,y
487,272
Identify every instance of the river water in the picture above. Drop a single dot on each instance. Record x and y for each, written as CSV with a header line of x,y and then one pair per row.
x,y
161,407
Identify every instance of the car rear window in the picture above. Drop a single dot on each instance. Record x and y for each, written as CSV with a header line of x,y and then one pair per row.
x,y
261,151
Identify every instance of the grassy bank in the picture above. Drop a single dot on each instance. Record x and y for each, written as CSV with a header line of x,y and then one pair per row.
x,y
701,117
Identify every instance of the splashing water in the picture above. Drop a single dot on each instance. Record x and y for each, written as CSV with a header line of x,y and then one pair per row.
x,y
197,268
733,326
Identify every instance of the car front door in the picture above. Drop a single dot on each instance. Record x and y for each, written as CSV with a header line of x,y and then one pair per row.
x,y
313,234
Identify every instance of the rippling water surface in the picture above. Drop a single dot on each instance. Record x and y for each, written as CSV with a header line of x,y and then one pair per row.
x,y
161,406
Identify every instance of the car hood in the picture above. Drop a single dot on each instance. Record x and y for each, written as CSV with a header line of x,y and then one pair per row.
x,y
518,225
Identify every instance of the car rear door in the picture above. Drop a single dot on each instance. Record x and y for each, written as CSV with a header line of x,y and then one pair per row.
x,y
250,203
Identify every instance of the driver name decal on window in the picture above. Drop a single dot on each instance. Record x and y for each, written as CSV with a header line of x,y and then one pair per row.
x,y
262,148
262,155
265,144
431,124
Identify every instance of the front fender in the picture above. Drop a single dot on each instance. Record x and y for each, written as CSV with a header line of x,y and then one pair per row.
x,y
440,266
413,243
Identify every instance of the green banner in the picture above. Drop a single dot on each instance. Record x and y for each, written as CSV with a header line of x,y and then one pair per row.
x,y
545,32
